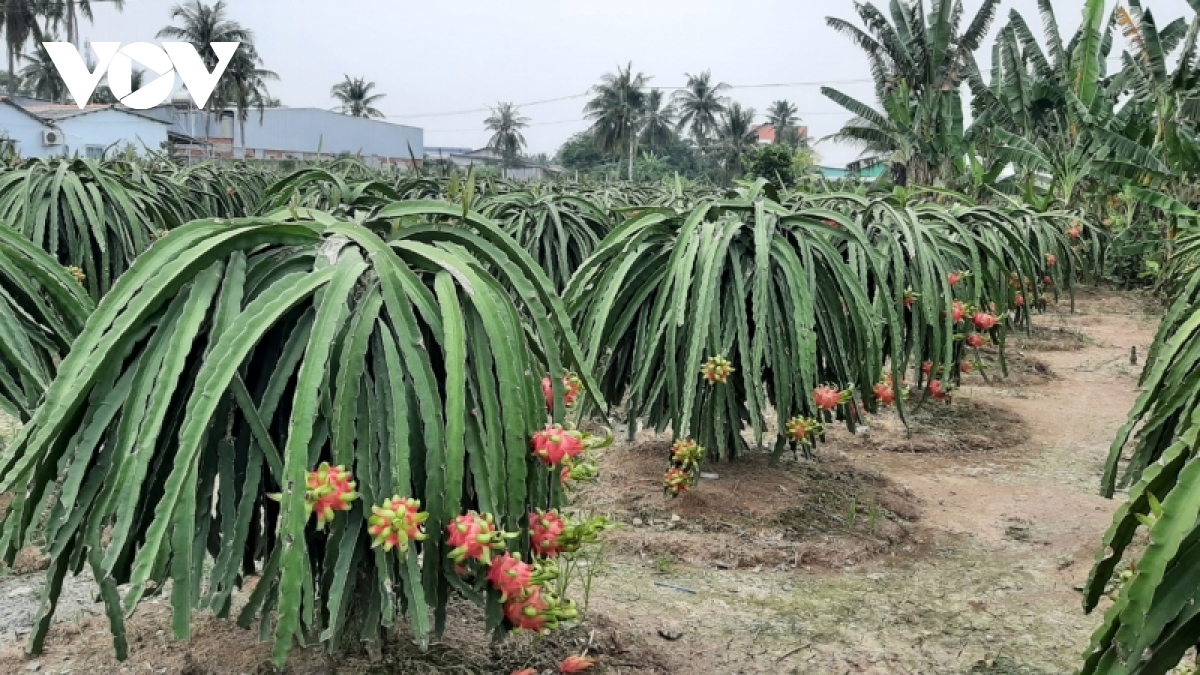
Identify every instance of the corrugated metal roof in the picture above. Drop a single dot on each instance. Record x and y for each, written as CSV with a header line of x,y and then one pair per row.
x,y
53,112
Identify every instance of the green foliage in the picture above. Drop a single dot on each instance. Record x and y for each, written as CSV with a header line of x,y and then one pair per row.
x,y
42,309
774,163
235,356
559,231
799,294
1153,620
95,216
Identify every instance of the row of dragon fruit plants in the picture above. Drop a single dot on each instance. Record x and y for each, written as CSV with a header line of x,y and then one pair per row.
x,y
378,385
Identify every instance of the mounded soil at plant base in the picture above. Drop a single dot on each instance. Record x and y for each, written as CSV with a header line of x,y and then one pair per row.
x,y
957,549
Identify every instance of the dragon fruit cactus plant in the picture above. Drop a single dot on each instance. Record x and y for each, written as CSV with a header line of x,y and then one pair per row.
x,y
395,523
716,370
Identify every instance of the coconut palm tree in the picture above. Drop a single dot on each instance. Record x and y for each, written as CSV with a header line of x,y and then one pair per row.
x,y
244,86
202,24
616,111
735,137
66,13
19,19
700,105
506,123
354,95
40,77
782,116
658,121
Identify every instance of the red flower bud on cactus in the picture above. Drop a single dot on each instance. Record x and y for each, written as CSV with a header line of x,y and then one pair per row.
x,y
827,398
510,576
884,393
529,612
938,391
395,523
1019,301
474,537
966,366
1051,260
573,386
576,664
975,340
959,311
927,367
953,278
1074,232
545,527
800,429
685,453
554,444
676,481
984,321
716,370
328,490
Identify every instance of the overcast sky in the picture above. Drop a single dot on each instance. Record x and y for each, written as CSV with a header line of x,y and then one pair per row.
x,y
432,57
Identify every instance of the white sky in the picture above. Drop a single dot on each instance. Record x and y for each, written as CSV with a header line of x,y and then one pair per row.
x,y
438,57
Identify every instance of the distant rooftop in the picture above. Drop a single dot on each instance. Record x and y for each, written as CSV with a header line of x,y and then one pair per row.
x,y
53,112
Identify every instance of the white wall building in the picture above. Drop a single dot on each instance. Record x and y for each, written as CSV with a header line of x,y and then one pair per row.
x,y
41,129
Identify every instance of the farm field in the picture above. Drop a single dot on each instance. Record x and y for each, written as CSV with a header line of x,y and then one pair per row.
x,y
964,554
679,398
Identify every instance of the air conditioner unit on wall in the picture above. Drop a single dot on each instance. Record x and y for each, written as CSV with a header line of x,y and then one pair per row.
x,y
52,137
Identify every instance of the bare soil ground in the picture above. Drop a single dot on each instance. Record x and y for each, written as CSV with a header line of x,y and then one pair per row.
x,y
955,549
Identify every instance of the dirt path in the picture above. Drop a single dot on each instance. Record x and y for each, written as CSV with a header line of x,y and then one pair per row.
x,y
1003,538
956,551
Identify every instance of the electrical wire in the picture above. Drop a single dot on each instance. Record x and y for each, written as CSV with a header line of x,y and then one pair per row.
x,y
776,85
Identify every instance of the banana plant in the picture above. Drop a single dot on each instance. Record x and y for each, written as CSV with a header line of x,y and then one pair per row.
x,y
233,358
42,308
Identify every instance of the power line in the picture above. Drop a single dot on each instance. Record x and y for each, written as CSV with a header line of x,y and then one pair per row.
x,y
801,115
775,85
